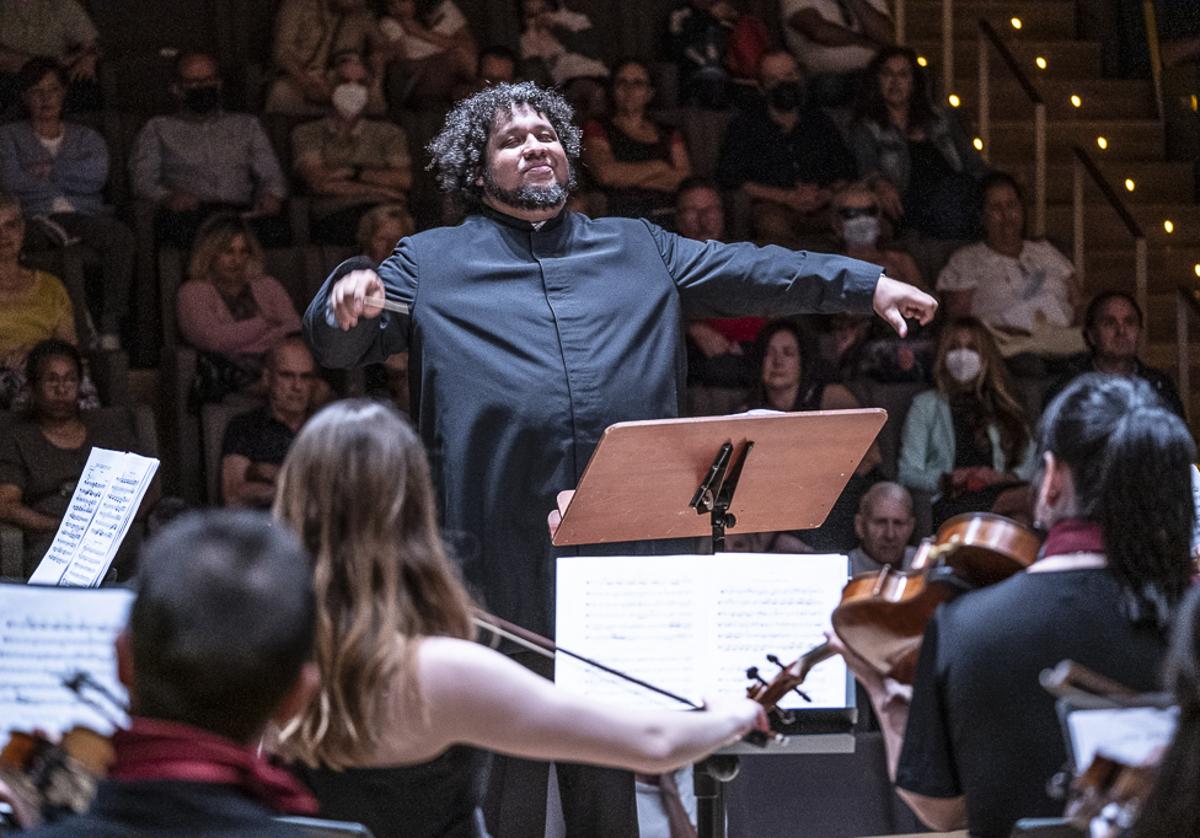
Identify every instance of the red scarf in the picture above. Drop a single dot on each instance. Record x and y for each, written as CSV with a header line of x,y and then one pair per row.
x,y
154,749
1073,535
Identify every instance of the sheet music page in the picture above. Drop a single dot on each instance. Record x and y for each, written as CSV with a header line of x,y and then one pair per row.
x,y
1127,734
693,624
106,498
46,634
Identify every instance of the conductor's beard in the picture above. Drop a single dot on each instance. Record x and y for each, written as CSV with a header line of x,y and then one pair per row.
x,y
529,197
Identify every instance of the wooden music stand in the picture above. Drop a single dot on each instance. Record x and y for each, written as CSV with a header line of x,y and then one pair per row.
x,y
677,478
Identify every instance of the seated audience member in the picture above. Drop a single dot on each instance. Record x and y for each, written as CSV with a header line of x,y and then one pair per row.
x,y
834,40
228,309
256,442
431,49
496,64
719,349
1024,291
309,36
884,524
378,234
58,170
558,48
967,440
34,306
43,453
715,47
407,701
852,346
204,160
219,642
638,162
786,358
57,29
350,163
978,738
786,156
916,155
1112,330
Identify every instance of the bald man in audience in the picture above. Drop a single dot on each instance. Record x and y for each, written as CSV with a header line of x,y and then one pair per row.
x,y
884,524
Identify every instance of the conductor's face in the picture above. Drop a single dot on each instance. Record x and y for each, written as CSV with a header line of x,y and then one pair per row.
x,y
527,167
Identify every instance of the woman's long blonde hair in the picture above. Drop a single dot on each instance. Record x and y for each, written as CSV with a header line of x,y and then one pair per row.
x,y
213,237
355,486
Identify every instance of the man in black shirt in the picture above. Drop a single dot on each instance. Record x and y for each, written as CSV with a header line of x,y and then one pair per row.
x,y
787,156
218,643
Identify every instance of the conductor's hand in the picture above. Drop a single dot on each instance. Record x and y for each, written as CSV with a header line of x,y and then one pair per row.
x,y
348,299
896,300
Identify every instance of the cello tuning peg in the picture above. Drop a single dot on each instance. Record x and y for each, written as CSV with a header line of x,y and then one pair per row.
x,y
802,694
753,674
775,660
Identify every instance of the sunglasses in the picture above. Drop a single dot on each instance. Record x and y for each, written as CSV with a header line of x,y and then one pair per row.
x,y
856,212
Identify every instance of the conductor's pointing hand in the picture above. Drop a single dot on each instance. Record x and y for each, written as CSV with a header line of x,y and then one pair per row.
x,y
349,299
895,300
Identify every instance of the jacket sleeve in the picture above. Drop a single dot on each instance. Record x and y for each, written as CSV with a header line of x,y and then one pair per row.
x,y
727,280
913,470
145,165
370,341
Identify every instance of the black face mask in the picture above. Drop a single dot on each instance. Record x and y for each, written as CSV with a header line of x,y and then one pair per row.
x,y
786,96
202,100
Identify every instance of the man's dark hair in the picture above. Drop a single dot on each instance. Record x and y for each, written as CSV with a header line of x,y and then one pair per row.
x,y
694,182
1130,459
36,69
222,623
1091,315
44,351
499,51
191,55
459,152
997,178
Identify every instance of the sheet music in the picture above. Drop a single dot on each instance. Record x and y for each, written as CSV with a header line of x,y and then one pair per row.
x,y
106,498
1127,734
693,624
47,633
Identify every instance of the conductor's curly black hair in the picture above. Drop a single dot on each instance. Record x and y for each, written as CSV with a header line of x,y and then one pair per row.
x,y
459,152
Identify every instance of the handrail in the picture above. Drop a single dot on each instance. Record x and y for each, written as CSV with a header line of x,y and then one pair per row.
x,y
1185,298
1083,163
1154,47
990,36
947,47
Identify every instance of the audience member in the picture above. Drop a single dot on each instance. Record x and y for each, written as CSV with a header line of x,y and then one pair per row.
x,y
851,346
1112,330
786,358
204,160
787,156
714,47
228,309
257,441
978,739
496,64
967,440
406,699
378,233
58,29
43,452
1024,291
218,643
309,37
58,170
637,161
431,49
557,48
884,525
834,40
719,349
34,306
350,163
916,155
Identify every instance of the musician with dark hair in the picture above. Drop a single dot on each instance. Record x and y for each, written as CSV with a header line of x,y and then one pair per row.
x,y
977,739
218,642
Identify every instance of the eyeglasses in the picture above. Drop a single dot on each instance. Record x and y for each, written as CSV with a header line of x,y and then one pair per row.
x,y
856,212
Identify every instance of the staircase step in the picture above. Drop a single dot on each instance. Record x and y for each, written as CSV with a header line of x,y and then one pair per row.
x,y
1065,59
1154,182
1128,139
1161,319
1110,265
1101,224
1040,19
1100,98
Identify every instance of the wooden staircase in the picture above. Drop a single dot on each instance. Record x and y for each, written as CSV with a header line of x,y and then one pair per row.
x,y
1123,112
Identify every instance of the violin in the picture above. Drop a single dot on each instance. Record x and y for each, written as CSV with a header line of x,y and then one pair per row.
x,y
52,779
882,615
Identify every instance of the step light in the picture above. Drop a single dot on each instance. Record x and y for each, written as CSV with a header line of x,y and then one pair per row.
x,y
1196,270
922,61
978,143
1102,142
1129,184
1168,226
1040,61
954,100
1016,23
1076,101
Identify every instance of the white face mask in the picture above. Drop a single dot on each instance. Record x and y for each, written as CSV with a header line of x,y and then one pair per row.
x,y
349,99
964,365
862,231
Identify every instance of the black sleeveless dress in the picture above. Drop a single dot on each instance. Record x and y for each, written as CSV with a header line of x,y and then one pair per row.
x,y
435,799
